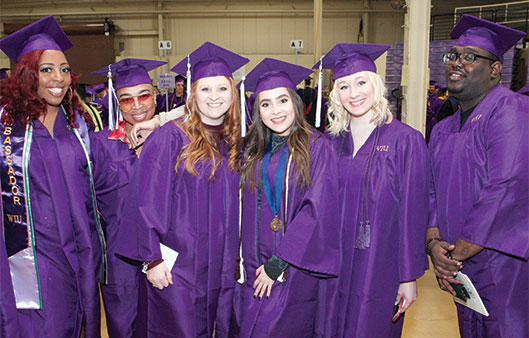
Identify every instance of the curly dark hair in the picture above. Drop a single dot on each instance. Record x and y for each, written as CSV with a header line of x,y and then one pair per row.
x,y
19,93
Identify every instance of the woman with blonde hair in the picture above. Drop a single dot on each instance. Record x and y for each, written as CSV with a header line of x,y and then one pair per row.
x,y
383,171
183,204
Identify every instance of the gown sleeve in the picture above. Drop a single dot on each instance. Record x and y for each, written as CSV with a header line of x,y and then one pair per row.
x,y
311,241
414,183
107,175
498,219
148,208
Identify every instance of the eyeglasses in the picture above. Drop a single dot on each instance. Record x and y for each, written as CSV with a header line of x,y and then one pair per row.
x,y
465,58
126,103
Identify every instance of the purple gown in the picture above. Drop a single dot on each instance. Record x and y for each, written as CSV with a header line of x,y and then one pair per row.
x,y
196,217
67,245
397,205
481,179
174,102
310,246
8,311
113,166
432,111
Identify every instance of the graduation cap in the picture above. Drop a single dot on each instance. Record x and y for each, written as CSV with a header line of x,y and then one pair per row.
x,y
128,72
90,91
347,59
99,87
179,78
272,73
351,58
3,73
492,37
209,60
44,33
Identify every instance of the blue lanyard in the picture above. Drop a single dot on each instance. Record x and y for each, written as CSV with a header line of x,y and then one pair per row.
x,y
274,196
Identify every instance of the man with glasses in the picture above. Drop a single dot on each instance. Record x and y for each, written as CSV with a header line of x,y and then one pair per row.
x,y
479,201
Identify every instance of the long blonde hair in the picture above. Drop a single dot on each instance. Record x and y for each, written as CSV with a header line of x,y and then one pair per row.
x,y
339,118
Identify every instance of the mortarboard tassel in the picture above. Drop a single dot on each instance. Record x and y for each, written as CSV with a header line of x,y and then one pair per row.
x,y
119,115
318,102
240,273
110,100
243,108
188,82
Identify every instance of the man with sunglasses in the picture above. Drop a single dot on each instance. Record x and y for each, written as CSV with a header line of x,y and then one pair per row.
x,y
115,158
479,201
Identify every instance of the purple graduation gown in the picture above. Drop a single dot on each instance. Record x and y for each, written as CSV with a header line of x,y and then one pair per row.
x,y
481,179
196,217
8,311
398,212
68,251
309,245
113,166
174,102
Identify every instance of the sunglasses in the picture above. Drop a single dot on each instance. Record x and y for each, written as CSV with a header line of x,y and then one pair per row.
x,y
126,103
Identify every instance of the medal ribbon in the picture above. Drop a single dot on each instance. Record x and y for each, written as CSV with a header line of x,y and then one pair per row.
x,y
274,195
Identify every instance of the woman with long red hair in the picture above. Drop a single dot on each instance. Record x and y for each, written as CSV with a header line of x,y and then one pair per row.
x,y
52,234
183,204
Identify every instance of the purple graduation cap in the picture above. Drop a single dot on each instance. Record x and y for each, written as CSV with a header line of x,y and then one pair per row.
x,y
351,58
495,38
3,73
44,33
127,73
130,72
209,60
347,59
272,73
179,78
90,91
99,87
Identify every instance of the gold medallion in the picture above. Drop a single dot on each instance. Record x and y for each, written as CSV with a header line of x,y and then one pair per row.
x,y
276,223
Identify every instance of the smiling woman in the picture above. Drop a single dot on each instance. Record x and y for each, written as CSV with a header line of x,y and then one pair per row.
x,y
289,227
383,170
183,198
49,171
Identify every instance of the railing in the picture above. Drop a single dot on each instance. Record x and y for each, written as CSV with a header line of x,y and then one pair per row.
x,y
512,14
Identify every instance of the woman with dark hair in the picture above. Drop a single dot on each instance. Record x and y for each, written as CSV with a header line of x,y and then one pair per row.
x,y
183,203
52,233
384,180
289,226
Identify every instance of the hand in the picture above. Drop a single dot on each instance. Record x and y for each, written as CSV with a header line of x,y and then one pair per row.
x,y
443,266
160,276
141,130
445,269
408,290
262,283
